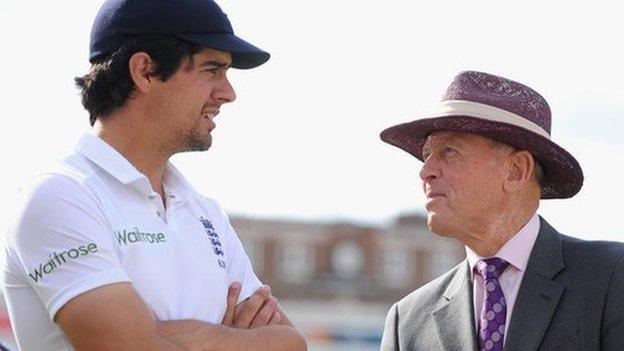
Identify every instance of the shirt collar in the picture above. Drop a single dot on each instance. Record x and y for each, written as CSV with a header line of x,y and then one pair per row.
x,y
107,158
177,188
516,250
114,163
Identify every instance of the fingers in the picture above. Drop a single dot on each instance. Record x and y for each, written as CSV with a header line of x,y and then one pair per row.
x,y
265,314
275,319
246,311
232,297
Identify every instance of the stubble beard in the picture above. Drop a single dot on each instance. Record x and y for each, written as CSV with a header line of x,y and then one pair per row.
x,y
194,141
187,142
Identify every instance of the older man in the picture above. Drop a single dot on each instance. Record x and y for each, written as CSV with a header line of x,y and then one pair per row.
x,y
488,160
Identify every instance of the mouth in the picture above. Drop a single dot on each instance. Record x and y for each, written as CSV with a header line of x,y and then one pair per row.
x,y
432,198
210,114
433,194
430,193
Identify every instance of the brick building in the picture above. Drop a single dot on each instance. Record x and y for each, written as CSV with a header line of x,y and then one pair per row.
x,y
324,261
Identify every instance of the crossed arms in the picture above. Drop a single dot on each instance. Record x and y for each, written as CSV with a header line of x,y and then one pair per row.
x,y
114,317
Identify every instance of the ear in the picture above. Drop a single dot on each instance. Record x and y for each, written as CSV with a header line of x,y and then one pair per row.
x,y
520,165
141,67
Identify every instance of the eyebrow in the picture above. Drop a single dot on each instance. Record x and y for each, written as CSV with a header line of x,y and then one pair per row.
x,y
215,64
457,142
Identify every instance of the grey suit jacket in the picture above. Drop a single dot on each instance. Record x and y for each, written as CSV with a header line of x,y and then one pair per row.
x,y
571,298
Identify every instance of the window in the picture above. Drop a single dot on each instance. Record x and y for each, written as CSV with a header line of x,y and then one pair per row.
x,y
297,262
395,267
347,260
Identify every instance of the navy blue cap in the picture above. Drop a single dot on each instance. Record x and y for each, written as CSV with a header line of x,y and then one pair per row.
x,y
201,22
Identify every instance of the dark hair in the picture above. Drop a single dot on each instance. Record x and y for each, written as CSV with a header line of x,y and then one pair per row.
x,y
108,85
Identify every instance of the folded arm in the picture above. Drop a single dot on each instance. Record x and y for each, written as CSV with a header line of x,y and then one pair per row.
x,y
114,317
201,336
258,323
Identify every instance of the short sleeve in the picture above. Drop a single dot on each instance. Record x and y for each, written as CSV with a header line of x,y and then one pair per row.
x,y
60,242
239,265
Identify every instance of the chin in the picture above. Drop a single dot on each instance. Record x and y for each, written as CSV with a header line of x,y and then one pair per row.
x,y
198,143
439,225
206,146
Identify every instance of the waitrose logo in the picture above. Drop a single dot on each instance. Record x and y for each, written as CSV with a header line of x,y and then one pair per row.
x,y
56,260
125,237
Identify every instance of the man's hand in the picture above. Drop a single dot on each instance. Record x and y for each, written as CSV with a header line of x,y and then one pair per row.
x,y
232,297
258,310
255,324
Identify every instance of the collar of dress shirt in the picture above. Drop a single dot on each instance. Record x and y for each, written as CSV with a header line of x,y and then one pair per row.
x,y
516,251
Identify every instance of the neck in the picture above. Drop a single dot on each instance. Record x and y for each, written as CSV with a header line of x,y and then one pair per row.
x,y
137,145
490,237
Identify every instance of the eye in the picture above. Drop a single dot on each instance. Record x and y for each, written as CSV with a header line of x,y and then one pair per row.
x,y
213,70
448,151
425,155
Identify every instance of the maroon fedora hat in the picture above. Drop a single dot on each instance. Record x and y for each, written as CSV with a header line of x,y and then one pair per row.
x,y
503,110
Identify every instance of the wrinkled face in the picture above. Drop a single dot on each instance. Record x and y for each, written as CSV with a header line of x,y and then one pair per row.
x,y
188,102
463,181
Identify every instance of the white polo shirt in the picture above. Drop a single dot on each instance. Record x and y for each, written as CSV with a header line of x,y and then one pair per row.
x,y
95,220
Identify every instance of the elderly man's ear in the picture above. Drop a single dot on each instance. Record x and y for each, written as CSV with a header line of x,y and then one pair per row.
x,y
521,167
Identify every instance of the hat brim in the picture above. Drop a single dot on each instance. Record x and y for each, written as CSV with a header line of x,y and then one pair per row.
x,y
563,174
244,54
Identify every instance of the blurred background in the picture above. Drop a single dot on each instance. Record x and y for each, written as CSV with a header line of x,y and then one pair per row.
x,y
331,216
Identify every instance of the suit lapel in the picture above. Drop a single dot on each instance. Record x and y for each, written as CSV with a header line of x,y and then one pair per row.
x,y
454,317
538,295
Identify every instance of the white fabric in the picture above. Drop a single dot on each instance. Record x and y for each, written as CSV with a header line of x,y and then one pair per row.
x,y
450,108
95,220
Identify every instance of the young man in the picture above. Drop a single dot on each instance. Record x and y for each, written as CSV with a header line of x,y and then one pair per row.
x,y
488,159
113,249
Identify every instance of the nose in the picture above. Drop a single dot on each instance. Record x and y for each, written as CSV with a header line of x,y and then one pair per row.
x,y
224,91
429,170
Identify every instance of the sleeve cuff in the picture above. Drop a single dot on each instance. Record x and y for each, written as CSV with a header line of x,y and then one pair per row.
x,y
88,283
249,288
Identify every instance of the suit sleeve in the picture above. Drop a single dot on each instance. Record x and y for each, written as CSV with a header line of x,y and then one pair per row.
x,y
613,322
390,339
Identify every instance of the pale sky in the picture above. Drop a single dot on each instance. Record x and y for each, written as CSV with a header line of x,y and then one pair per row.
x,y
301,141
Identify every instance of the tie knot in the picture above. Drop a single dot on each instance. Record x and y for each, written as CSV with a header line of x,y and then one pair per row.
x,y
491,267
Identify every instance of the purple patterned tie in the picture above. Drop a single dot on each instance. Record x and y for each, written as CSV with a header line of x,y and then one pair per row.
x,y
494,310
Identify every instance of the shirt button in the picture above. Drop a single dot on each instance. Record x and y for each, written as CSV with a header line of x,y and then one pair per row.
x,y
151,197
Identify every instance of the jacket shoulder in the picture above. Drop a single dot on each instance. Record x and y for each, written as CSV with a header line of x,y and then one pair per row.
x,y
427,296
604,252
